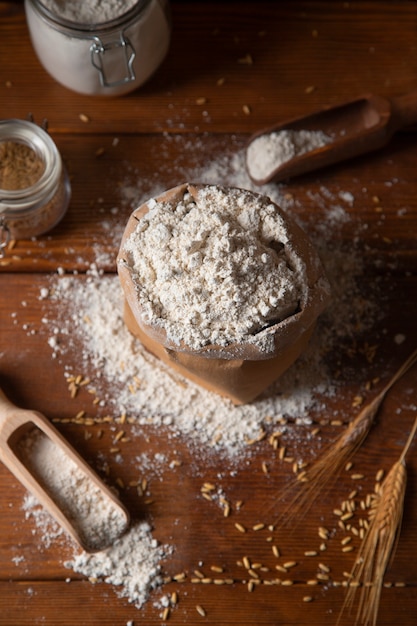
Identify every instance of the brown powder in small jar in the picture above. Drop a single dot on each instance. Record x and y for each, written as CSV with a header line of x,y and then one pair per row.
x,y
20,166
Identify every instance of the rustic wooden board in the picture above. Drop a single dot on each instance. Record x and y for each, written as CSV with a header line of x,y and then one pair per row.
x,y
154,139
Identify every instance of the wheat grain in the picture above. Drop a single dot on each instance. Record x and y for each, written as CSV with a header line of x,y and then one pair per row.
x,y
380,540
337,455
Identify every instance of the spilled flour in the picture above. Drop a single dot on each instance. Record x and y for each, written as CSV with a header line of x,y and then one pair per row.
x,y
132,564
90,322
83,317
84,328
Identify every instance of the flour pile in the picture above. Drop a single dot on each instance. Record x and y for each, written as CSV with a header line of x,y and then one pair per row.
x,y
215,266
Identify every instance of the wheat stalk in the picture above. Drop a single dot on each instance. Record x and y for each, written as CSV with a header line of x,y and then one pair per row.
x,y
380,541
314,479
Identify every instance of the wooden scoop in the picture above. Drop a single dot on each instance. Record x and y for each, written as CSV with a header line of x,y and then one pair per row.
x,y
356,127
17,426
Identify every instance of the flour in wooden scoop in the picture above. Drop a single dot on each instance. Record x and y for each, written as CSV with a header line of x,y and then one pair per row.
x,y
97,520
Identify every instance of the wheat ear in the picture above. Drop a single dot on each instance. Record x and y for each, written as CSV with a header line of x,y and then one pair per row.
x,y
328,465
379,543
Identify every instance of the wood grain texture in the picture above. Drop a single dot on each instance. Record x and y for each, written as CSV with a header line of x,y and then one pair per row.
x,y
305,55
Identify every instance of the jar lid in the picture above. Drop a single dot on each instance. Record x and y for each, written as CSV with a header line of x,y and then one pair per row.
x,y
79,19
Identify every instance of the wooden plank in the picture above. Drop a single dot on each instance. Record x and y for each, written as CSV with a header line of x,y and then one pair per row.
x,y
290,45
379,211
275,61
28,602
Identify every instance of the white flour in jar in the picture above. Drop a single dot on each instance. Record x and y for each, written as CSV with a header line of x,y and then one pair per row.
x,y
100,61
89,11
215,268
267,152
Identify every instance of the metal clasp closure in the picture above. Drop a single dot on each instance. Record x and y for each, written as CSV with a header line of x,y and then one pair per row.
x,y
5,236
109,59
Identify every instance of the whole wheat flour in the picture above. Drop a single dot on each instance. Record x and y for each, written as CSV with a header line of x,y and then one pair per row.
x,y
216,268
269,151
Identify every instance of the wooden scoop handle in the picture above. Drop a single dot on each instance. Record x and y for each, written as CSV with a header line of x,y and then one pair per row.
x,y
15,423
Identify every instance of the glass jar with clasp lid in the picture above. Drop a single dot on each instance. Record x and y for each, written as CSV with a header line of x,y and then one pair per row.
x,y
34,184
107,48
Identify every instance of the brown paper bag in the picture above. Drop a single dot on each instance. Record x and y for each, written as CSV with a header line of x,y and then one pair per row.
x,y
238,371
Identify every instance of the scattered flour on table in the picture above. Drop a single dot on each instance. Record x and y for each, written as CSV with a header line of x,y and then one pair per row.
x,y
83,317
132,564
269,151
88,320
84,327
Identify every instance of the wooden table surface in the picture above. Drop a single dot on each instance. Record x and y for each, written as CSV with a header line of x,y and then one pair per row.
x,y
232,69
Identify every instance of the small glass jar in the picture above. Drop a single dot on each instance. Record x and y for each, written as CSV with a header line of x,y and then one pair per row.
x,y
109,58
34,184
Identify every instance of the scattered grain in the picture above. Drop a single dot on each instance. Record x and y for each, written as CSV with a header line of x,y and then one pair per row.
x,y
379,475
246,60
323,532
246,562
240,527
348,548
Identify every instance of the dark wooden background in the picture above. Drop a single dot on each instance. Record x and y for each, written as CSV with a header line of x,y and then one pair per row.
x,y
305,55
